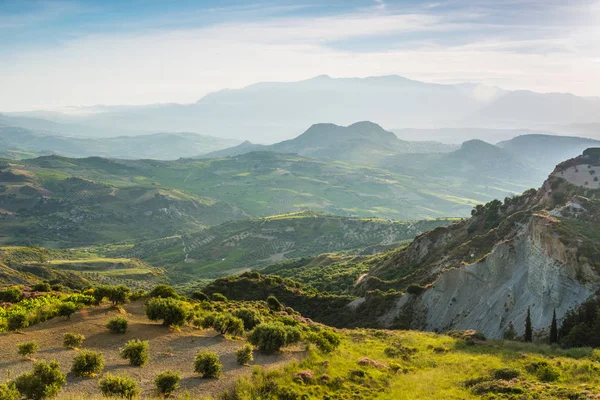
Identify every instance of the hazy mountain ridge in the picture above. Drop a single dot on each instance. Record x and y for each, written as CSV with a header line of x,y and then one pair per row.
x,y
270,112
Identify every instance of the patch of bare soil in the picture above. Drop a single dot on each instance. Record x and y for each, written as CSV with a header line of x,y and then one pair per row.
x,y
169,350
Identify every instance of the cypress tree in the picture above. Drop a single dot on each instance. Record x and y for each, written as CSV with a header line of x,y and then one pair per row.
x,y
528,328
554,329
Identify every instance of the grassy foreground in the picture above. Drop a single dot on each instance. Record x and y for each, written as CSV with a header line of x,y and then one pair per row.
x,y
417,365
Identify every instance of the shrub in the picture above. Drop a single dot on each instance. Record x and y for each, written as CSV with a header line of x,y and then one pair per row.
x,y
164,291
219,297
543,371
207,363
506,373
28,349
117,324
251,318
66,309
11,295
207,320
167,382
227,323
42,287
8,391
274,304
118,386
72,340
269,337
17,320
243,355
137,352
45,381
325,340
415,289
200,296
138,294
169,310
87,363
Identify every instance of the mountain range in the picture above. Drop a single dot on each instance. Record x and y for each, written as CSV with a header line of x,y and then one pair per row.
x,y
270,112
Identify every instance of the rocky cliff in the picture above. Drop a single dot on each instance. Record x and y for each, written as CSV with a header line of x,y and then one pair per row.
x,y
537,251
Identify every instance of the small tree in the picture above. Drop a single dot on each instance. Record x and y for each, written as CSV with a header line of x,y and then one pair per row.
x,y
207,364
28,349
117,324
44,382
243,355
11,295
167,382
87,363
528,328
118,386
137,352
164,291
119,294
66,309
72,340
274,304
228,324
553,329
268,337
170,311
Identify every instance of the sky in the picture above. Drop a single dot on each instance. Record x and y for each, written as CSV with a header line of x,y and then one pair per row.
x,y
58,54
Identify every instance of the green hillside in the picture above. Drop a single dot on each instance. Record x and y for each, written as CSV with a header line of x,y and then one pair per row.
x,y
244,244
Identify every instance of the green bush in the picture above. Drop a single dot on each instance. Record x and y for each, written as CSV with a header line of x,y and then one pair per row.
x,y
228,324
167,382
543,371
325,340
137,352
243,355
207,364
251,318
42,287
271,337
72,340
170,311
66,309
274,304
505,373
138,294
11,295
28,349
87,363
164,291
117,324
116,294
219,297
17,320
44,382
8,391
200,296
118,386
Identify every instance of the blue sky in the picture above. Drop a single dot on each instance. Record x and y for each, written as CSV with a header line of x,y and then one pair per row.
x,y
59,53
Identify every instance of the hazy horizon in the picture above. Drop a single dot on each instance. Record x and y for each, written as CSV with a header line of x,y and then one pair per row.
x,y
79,53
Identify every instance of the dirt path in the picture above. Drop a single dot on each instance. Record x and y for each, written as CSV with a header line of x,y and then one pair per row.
x,y
169,350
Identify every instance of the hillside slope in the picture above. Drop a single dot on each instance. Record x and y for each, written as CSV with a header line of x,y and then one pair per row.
x,y
239,245
538,251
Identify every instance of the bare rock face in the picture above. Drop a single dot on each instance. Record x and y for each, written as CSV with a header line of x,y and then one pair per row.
x,y
538,251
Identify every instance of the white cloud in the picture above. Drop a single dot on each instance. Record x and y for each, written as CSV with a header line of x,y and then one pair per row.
x,y
182,65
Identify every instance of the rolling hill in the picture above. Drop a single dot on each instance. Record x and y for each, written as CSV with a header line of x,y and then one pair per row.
x,y
160,146
240,245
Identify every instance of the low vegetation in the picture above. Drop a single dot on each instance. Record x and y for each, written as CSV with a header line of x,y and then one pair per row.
x,y
73,340
87,363
208,365
118,386
167,382
117,325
